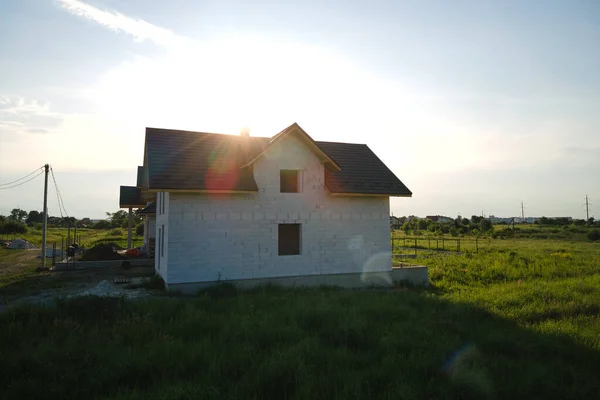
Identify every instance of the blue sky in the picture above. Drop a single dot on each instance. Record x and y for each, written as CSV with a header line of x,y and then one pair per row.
x,y
475,105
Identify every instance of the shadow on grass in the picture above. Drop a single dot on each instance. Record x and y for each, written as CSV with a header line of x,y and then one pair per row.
x,y
29,282
275,343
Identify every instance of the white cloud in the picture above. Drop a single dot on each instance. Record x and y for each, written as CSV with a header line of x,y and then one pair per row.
x,y
139,29
22,116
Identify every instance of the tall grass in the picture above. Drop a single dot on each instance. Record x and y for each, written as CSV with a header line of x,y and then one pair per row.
x,y
276,343
511,260
520,321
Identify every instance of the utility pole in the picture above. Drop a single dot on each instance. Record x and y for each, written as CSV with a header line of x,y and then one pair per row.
x,y
45,222
587,210
522,213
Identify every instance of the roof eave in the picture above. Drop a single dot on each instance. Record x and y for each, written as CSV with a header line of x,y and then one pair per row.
x,y
369,194
134,205
215,191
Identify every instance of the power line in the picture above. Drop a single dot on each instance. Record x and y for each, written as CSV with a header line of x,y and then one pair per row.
x,y
61,206
22,183
59,197
20,179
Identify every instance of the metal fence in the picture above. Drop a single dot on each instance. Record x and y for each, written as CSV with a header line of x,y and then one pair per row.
x,y
413,246
121,242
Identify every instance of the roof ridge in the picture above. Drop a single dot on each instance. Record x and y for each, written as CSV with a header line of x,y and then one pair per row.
x,y
176,131
355,144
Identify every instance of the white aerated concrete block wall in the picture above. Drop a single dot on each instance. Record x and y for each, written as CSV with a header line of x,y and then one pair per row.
x,y
151,226
161,250
227,237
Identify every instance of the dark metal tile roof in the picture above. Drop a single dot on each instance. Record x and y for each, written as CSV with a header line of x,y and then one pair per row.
x,y
149,209
200,161
362,172
208,161
140,176
130,196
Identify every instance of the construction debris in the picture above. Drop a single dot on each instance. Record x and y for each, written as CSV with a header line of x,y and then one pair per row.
x,y
103,252
20,244
107,289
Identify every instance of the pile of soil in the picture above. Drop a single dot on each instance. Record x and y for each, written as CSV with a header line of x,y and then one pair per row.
x,y
102,252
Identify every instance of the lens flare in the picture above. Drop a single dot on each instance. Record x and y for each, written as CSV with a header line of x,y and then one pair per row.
x,y
465,367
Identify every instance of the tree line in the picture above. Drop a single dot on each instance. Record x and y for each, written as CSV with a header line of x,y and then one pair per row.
x,y
478,226
18,221
460,226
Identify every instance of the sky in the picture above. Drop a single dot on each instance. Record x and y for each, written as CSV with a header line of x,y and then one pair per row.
x,y
475,105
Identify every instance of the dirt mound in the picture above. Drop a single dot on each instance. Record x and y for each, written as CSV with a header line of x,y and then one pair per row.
x,y
102,252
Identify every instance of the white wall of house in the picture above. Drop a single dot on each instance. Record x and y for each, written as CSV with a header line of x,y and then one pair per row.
x,y
149,227
161,251
227,237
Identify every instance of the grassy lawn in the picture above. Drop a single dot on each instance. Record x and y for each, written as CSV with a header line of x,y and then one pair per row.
x,y
18,273
519,320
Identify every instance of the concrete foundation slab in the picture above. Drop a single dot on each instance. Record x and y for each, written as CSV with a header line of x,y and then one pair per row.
x,y
416,275
102,264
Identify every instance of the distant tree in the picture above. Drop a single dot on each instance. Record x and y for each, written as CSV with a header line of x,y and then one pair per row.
x,y
485,225
590,221
12,226
103,224
406,227
120,219
465,221
545,221
423,224
562,221
139,230
34,216
593,235
85,222
53,221
17,214
68,221
2,218
475,219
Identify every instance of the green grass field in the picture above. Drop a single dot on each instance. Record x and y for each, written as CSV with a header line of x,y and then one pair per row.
x,y
520,319
58,235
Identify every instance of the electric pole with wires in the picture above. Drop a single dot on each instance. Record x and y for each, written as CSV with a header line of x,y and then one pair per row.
x,y
587,210
45,221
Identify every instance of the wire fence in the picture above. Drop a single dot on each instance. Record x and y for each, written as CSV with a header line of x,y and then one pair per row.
x,y
119,241
414,246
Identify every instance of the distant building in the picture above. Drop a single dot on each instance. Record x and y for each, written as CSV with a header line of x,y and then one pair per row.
x,y
395,222
439,218
501,220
